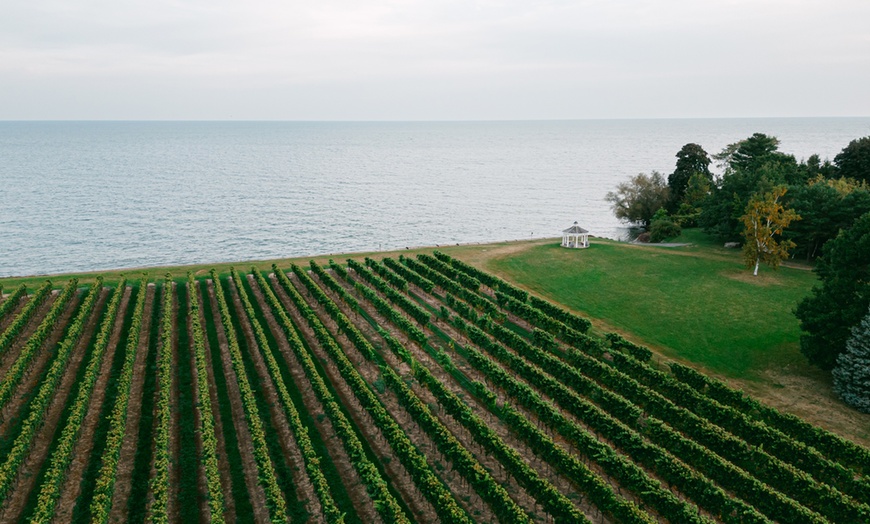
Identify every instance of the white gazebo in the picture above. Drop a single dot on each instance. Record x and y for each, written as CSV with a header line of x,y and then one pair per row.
x,y
575,236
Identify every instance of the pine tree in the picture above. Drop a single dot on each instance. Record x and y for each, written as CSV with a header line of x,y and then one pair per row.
x,y
852,374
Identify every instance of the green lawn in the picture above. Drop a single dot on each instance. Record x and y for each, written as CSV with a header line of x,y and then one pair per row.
x,y
695,303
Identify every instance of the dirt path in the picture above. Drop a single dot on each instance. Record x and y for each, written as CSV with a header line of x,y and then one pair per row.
x,y
29,469
258,497
127,462
12,353
465,495
304,488
223,465
81,455
401,480
31,379
350,478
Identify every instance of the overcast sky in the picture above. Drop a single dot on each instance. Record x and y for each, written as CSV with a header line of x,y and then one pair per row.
x,y
433,60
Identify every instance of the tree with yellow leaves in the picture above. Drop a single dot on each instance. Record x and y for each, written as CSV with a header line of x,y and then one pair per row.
x,y
764,221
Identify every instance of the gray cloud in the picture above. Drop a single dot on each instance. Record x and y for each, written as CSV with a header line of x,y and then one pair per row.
x,y
433,60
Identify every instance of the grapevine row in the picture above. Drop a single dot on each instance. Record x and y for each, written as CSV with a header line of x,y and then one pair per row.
x,y
300,432
274,497
463,461
206,414
820,497
775,443
757,433
654,457
398,281
63,453
39,406
420,281
101,504
159,510
569,319
385,503
417,313
23,316
832,445
12,300
34,343
428,483
543,491
383,307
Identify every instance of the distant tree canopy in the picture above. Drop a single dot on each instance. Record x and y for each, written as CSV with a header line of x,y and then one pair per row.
x,y
638,199
854,160
841,299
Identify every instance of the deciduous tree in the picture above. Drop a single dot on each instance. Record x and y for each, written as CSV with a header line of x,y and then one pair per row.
x,y
638,199
854,159
841,299
764,222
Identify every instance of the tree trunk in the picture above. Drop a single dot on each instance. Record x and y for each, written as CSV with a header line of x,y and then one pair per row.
x,y
755,273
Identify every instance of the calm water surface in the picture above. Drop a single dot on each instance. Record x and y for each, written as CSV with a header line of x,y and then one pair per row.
x,y
99,195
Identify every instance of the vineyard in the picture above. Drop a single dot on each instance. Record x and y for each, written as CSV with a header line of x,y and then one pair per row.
x,y
417,389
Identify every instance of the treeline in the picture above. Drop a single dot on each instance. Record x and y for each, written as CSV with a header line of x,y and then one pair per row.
x,y
779,208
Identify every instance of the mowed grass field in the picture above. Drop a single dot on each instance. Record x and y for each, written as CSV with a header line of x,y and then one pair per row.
x,y
696,303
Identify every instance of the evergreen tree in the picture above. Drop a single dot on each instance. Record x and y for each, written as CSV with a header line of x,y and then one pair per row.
x,y
852,374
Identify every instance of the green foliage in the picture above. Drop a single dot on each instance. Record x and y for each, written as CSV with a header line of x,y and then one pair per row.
x,y
663,229
639,198
841,299
852,373
753,165
765,219
692,161
854,159
825,207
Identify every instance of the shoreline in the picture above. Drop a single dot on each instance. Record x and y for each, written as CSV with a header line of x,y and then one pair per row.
x,y
181,270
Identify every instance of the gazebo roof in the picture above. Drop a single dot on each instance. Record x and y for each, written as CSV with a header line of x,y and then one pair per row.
x,y
575,229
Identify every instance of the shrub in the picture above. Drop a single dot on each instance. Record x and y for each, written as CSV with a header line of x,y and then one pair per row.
x,y
663,229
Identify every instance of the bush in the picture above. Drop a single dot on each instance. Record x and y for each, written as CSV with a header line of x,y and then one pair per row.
x,y
663,229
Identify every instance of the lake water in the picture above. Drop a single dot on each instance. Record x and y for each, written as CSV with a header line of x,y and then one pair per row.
x,y
80,196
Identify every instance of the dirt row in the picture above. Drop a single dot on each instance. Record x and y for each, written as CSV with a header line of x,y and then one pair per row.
x,y
223,465
29,469
541,466
246,448
494,466
464,494
359,416
71,487
28,383
304,488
